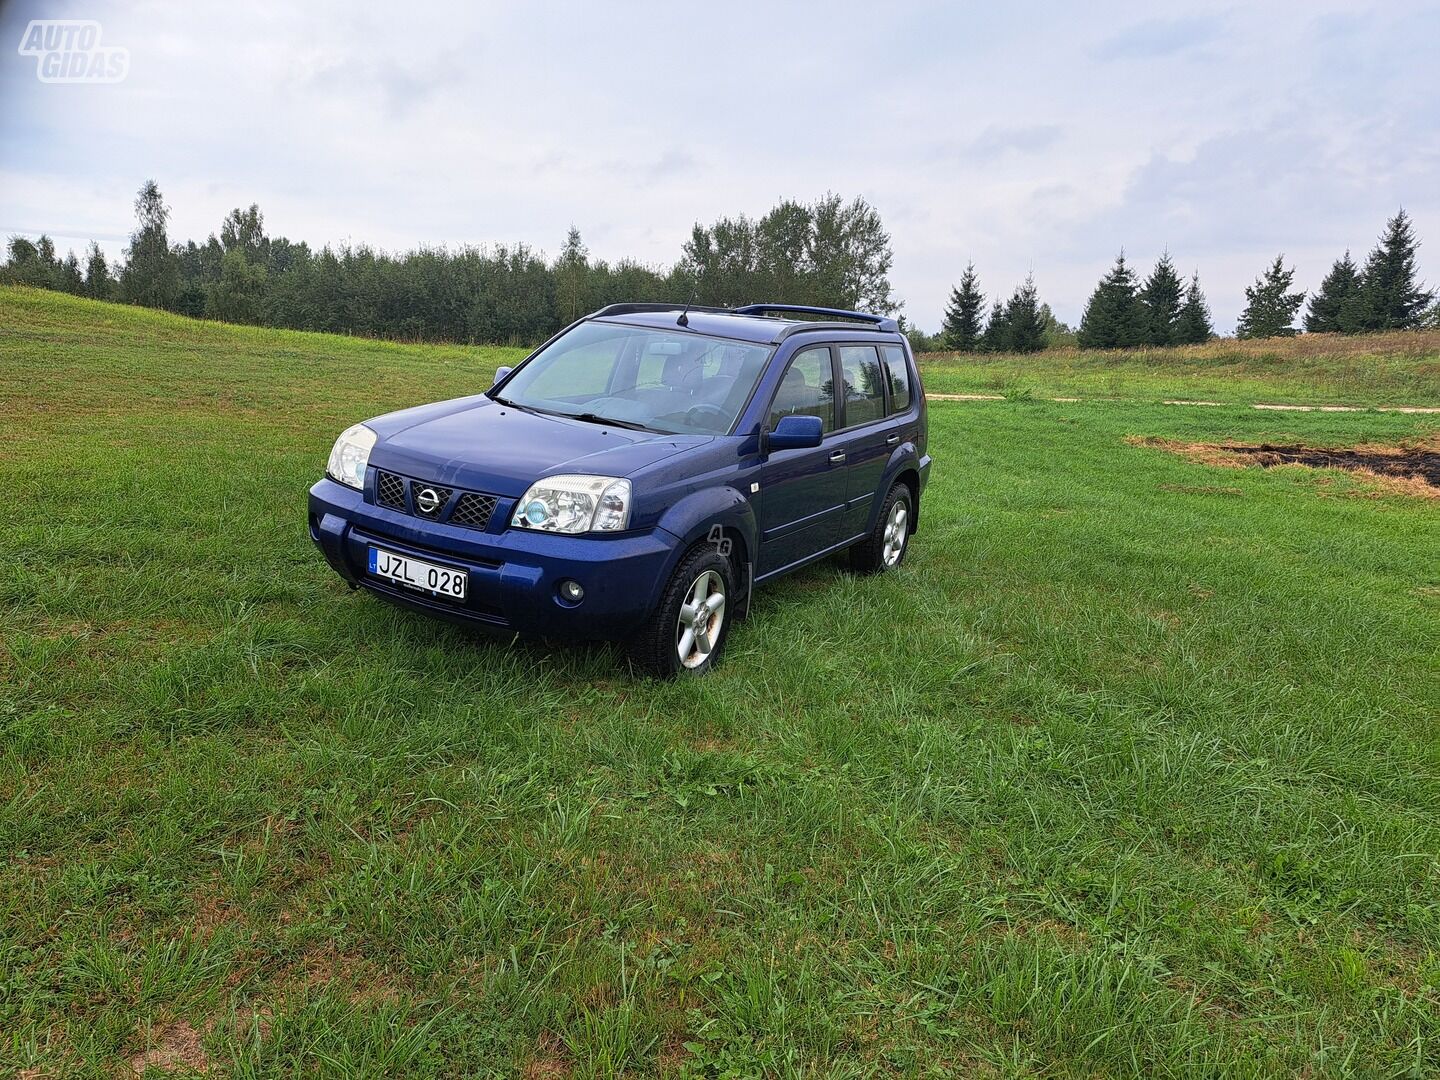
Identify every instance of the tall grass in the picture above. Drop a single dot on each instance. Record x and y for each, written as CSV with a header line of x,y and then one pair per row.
x,y
1131,770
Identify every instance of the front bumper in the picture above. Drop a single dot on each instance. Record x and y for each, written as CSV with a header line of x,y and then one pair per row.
x,y
514,573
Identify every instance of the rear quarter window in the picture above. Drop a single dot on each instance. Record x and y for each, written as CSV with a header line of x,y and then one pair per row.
x,y
898,372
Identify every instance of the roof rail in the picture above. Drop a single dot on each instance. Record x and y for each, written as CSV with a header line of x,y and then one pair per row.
x,y
880,322
806,326
635,309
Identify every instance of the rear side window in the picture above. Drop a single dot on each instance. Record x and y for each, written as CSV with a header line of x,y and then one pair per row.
x,y
808,389
899,374
864,385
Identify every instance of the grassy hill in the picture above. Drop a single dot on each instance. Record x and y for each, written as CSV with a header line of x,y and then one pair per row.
x,y
1379,369
1132,770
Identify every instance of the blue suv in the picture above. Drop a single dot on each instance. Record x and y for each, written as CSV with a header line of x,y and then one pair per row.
x,y
637,476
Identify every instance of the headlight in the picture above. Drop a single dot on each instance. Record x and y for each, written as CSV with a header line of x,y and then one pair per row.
x,y
350,455
575,504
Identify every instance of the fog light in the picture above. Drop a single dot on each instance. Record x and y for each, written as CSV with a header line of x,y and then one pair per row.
x,y
572,591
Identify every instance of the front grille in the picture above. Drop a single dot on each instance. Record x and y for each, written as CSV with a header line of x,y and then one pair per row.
x,y
473,510
390,490
421,500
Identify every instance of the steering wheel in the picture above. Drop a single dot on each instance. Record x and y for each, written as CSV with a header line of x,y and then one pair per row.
x,y
697,414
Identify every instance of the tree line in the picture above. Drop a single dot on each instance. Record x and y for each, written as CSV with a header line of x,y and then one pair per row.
x,y
1125,312
1385,294
829,253
1122,313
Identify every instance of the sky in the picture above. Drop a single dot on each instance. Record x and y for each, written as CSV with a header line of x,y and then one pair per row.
x,y
1027,137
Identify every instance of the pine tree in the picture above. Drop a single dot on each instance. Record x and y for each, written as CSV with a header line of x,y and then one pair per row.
x,y
997,335
1161,296
1270,307
1394,298
1193,326
962,327
69,278
1024,324
97,274
1114,317
1339,305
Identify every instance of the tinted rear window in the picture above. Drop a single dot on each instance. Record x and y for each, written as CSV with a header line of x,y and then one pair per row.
x,y
864,388
899,374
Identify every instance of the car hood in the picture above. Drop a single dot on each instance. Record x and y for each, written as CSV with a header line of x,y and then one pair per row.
x,y
480,444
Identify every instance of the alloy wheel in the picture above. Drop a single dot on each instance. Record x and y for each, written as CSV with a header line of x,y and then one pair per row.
x,y
701,616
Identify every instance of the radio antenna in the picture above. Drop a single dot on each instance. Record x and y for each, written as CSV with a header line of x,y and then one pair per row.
x,y
684,319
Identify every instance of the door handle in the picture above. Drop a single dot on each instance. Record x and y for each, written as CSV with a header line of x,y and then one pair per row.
x,y
892,440
837,458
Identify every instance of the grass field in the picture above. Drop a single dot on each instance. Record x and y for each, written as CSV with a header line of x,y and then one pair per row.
x,y
1133,769
1384,369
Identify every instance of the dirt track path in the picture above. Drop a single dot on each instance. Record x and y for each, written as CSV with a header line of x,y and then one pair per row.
x,y
1276,408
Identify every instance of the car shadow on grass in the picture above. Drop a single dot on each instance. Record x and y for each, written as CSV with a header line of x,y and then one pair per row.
x,y
581,659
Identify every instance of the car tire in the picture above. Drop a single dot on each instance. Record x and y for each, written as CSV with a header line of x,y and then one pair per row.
x,y
888,541
705,578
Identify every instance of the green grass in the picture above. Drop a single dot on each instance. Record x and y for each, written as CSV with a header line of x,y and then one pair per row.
x,y
1383,369
1131,770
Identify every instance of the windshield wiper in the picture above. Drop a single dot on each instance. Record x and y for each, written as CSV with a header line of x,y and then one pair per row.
x,y
596,418
513,404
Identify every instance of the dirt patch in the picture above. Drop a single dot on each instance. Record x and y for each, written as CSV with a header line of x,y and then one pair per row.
x,y
172,1047
1413,464
1411,469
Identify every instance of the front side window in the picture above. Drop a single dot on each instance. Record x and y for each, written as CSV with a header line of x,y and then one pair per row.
x,y
899,374
808,389
659,380
864,385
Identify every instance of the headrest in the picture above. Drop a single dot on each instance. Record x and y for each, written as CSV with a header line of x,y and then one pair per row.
x,y
678,371
794,380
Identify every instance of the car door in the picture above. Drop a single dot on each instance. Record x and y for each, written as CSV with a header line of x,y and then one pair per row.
x,y
867,438
802,492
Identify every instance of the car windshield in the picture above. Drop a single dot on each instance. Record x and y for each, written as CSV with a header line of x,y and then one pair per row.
x,y
671,381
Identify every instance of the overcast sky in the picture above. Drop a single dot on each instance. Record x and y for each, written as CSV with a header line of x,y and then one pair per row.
x,y
1023,136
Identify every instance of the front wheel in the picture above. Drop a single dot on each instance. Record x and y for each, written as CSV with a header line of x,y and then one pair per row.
x,y
885,546
686,633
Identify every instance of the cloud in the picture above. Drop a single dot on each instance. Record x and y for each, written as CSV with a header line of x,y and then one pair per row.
x,y
670,163
996,141
1156,38
1018,141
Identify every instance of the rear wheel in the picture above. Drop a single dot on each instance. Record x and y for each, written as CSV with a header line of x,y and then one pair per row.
x,y
885,546
686,633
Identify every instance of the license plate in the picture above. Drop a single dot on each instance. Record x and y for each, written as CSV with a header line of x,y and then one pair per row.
x,y
418,574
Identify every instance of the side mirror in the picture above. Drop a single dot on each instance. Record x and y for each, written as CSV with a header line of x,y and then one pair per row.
x,y
795,433
500,374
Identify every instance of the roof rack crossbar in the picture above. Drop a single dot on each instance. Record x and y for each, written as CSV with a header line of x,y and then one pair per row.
x,y
635,309
809,325
837,318
833,313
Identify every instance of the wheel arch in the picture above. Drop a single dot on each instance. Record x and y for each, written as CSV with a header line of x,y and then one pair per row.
x,y
694,521
910,477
